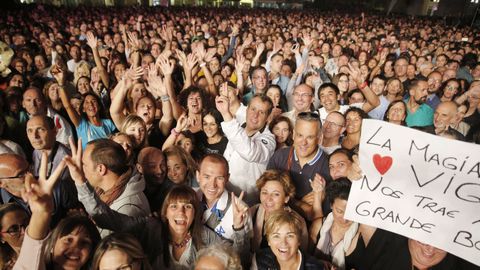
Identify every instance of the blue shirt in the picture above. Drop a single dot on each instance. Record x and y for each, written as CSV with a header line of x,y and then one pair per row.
x,y
422,117
89,132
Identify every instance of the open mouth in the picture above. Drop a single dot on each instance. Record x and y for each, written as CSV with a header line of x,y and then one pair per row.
x,y
180,222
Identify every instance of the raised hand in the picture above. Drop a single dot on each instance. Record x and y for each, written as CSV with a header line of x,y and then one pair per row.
x,y
131,75
182,123
222,104
155,83
164,64
58,74
74,162
356,75
318,184
307,40
260,48
39,193
355,172
209,55
296,49
240,63
239,211
192,60
134,42
276,47
92,40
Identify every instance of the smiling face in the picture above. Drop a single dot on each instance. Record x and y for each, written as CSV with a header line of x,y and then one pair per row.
x,y
180,216
272,196
117,259
72,251
284,242
425,256
397,113
194,103
90,106
210,127
13,226
338,165
177,169
302,98
257,114
329,99
353,122
306,138
212,178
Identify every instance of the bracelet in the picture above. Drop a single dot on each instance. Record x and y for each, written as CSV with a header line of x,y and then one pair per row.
x,y
165,98
174,132
239,229
363,85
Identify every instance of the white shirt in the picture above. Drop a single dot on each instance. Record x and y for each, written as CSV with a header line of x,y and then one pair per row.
x,y
64,130
247,157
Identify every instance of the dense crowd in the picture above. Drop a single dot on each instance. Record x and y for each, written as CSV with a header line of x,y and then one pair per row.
x,y
154,138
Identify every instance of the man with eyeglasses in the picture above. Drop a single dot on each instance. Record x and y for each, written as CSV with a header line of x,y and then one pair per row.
x,y
333,128
13,169
302,102
250,145
434,83
305,161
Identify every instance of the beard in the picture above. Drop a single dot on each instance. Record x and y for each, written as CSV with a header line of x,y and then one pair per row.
x,y
421,100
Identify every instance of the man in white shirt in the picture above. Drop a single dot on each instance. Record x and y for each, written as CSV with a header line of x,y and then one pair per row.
x,y
250,145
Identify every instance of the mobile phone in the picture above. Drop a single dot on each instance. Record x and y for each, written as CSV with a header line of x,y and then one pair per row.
x,y
465,39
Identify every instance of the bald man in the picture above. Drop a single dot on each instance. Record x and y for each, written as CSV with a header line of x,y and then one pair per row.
x,y
444,117
34,104
41,132
12,179
152,165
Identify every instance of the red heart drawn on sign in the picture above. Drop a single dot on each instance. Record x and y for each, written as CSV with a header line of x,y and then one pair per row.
x,y
382,164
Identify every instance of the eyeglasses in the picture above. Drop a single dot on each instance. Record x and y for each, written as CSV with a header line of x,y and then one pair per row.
x,y
304,95
21,175
332,123
16,229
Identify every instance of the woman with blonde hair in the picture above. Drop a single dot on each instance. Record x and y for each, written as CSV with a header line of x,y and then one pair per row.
x,y
120,251
283,230
276,189
82,70
135,126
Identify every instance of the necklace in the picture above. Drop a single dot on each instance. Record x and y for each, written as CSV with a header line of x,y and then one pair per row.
x,y
183,243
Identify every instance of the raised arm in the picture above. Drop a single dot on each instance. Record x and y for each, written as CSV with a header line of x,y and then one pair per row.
x,y
158,88
39,196
239,66
103,216
372,100
117,106
92,42
72,113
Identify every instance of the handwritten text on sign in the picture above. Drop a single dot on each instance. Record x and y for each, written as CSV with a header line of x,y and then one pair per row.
x,y
421,186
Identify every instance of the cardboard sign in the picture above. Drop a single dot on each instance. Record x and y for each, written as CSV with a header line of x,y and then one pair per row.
x,y
419,185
